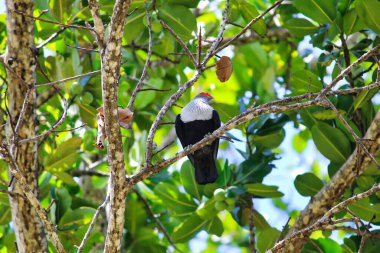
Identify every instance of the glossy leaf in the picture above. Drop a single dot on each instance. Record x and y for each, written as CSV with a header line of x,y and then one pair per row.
x,y
308,184
188,180
263,190
78,217
352,23
249,12
300,27
215,227
135,216
266,239
64,156
188,229
303,81
331,142
368,12
180,19
180,203
319,10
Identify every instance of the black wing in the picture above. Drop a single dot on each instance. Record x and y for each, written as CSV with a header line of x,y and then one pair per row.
x,y
217,124
181,134
179,129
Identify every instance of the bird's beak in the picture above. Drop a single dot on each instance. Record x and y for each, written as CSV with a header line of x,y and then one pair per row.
x,y
211,100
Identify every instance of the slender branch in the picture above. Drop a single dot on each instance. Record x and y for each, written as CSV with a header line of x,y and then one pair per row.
x,y
92,224
251,225
180,41
16,172
145,69
51,38
67,79
53,128
253,21
364,235
212,51
51,22
158,222
357,139
347,70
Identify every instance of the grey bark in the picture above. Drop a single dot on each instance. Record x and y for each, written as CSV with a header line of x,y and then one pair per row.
x,y
21,66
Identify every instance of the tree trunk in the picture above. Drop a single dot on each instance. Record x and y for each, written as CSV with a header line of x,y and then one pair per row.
x,y
21,65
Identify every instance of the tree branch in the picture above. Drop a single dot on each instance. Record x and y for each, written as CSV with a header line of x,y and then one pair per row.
x,y
16,172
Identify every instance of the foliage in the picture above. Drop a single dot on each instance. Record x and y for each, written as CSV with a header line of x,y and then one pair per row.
x,y
299,49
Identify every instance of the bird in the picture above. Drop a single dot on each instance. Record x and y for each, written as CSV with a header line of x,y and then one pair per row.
x,y
196,120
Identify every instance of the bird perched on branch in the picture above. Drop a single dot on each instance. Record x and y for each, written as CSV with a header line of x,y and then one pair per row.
x,y
196,120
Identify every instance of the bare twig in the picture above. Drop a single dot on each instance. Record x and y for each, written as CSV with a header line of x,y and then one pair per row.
x,y
92,224
52,22
251,225
53,128
147,61
67,79
51,38
357,139
364,235
253,21
347,70
180,41
158,222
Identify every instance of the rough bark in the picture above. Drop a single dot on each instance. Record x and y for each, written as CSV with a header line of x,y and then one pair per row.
x,y
333,190
110,58
21,66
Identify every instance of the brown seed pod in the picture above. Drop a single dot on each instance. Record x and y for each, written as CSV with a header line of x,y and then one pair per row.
x,y
224,68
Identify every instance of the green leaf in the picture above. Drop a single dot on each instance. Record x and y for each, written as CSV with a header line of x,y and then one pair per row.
x,y
179,202
368,11
352,23
299,141
254,169
331,142
365,210
180,19
364,97
135,216
300,27
303,81
266,239
187,3
249,12
259,221
321,11
207,209
308,184
134,26
215,227
188,229
328,114
60,9
64,156
188,180
78,217
224,175
88,114
5,214
271,140
63,202
65,177
263,190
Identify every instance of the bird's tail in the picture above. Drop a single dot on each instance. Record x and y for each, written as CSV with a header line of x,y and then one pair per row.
x,y
205,171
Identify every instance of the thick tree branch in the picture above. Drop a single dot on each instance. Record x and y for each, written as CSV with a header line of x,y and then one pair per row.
x,y
324,221
21,180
